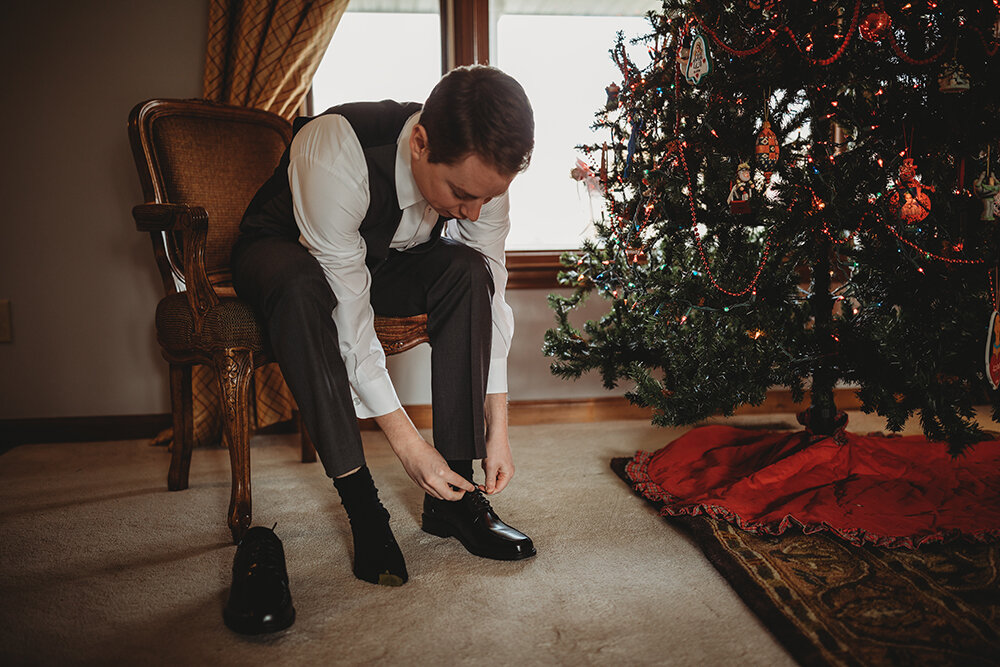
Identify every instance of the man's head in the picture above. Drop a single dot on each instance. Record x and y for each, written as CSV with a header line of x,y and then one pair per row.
x,y
476,132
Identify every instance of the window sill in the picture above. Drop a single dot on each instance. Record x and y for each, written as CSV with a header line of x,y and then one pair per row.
x,y
533,269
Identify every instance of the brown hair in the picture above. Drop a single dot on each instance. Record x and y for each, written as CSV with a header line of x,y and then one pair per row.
x,y
479,109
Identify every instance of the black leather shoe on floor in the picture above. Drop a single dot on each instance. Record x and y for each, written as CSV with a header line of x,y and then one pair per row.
x,y
259,600
475,524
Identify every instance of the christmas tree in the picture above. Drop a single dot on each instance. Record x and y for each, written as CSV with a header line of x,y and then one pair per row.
x,y
799,194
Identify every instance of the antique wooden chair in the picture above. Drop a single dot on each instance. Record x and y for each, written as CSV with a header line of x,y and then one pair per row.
x,y
200,163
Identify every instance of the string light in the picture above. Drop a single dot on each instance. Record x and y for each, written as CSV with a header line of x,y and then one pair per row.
x,y
926,253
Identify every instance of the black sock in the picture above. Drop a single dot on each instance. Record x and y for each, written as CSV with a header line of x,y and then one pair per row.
x,y
377,557
463,467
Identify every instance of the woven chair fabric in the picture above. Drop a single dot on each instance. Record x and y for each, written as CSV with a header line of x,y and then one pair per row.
x,y
217,162
231,323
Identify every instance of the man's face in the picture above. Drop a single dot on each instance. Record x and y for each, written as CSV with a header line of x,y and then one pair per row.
x,y
456,190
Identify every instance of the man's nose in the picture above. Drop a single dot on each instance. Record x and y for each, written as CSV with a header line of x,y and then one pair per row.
x,y
471,210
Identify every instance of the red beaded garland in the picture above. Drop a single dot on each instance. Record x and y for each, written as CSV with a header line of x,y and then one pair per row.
x,y
926,253
874,28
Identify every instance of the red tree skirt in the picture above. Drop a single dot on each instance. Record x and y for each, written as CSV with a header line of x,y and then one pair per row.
x,y
888,491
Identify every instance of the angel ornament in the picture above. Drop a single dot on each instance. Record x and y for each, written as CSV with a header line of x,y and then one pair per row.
x,y
987,188
739,194
909,201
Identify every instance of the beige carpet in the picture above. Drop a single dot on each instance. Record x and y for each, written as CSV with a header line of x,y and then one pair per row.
x,y
100,564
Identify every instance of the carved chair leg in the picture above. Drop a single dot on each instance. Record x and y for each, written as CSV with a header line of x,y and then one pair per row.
x,y
181,407
235,367
308,449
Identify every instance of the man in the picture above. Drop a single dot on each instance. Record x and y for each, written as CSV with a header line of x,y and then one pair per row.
x,y
398,209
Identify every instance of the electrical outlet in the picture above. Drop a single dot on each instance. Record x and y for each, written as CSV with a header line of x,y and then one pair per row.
x,y
5,323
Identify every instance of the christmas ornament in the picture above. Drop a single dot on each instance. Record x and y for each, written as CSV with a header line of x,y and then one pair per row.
x,y
683,55
612,90
993,350
875,25
953,78
582,173
767,6
840,139
739,195
839,22
671,154
637,127
908,201
767,150
699,63
604,165
987,188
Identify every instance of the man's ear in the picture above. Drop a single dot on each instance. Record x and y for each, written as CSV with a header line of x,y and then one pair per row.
x,y
418,142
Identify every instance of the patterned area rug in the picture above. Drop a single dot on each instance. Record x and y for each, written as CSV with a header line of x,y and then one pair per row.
x,y
831,603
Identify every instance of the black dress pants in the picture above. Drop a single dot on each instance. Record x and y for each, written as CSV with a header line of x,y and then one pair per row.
x,y
445,279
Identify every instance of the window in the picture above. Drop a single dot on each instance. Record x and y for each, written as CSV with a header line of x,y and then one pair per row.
x,y
562,59
558,50
381,50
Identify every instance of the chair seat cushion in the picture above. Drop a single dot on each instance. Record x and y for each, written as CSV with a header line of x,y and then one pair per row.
x,y
231,323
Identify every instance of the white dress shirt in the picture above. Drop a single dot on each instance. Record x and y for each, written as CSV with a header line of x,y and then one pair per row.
x,y
328,176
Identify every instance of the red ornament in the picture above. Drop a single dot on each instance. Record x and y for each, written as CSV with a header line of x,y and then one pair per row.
x,y
767,150
875,25
909,201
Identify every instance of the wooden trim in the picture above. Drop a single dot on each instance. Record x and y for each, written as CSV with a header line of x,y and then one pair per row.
x,y
522,413
612,408
469,22
82,429
533,269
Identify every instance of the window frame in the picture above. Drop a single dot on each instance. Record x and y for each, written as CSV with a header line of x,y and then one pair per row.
x,y
465,33
465,40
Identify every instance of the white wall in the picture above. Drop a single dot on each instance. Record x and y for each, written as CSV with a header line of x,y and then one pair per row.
x,y
81,280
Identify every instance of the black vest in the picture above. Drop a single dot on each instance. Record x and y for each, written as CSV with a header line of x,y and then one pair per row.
x,y
377,125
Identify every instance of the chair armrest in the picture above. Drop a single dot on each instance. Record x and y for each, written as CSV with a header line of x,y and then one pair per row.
x,y
165,217
192,224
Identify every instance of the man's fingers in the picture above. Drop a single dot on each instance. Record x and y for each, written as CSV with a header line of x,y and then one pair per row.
x,y
445,487
457,480
449,493
501,483
491,477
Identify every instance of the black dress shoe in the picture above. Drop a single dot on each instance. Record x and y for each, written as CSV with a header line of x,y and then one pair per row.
x,y
475,524
259,600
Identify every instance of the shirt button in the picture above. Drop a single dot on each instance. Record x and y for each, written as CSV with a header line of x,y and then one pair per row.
x,y
357,401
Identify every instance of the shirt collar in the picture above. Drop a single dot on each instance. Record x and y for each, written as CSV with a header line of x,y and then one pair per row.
x,y
407,191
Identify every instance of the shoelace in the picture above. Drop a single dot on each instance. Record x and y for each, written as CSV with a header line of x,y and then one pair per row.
x,y
261,556
477,501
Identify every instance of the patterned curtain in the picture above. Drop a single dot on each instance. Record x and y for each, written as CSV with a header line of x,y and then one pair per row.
x,y
264,53
261,54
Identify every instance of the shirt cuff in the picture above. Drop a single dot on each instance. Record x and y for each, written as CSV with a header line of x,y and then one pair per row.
x,y
375,397
496,383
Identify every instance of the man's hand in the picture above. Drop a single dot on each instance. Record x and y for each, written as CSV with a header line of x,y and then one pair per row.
x,y
499,462
498,465
422,462
430,471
